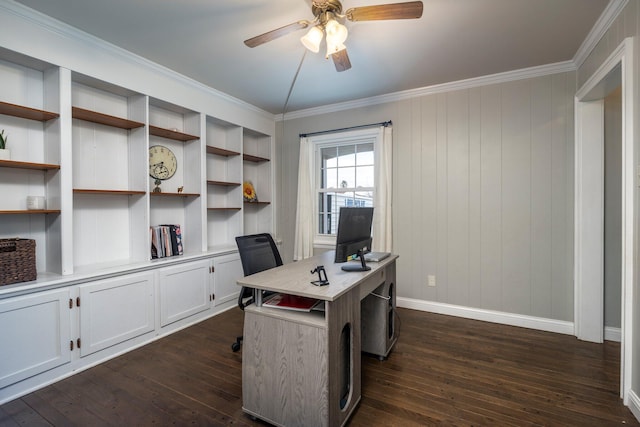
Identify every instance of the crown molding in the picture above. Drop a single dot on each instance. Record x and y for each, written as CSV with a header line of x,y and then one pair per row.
x,y
610,13
525,73
58,27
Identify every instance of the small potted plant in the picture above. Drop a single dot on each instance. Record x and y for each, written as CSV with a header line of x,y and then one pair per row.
x,y
5,154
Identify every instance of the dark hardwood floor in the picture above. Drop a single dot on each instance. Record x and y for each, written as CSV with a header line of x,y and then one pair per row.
x,y
443,371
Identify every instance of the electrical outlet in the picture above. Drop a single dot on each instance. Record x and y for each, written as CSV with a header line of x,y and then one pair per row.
x,y
431,280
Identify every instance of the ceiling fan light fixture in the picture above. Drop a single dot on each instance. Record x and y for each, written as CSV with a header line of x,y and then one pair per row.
x,y
312,39
336,32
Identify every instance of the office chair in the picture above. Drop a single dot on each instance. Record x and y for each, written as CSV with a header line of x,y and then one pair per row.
x,y
258,252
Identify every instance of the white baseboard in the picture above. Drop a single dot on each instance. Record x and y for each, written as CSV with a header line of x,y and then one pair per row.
x,y
612,334
531,322
633,403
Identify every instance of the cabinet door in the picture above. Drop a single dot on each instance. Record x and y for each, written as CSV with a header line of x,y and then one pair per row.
x,y
227,269
115,310
34,335
184,291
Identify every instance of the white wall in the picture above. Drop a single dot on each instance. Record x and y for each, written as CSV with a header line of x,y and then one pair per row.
x,y
483,193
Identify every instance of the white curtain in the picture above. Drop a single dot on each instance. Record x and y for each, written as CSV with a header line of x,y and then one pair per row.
x,y
303,245
382,229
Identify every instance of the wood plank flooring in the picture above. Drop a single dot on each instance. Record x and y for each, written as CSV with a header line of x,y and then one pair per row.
x,y
443,371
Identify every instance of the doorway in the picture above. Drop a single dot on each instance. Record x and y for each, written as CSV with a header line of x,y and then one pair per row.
x,y
616,71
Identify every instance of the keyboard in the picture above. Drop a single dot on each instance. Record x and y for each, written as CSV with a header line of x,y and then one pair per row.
x,y
376,256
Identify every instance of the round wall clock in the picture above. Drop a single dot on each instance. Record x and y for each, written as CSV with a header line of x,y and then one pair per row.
x,y
162,165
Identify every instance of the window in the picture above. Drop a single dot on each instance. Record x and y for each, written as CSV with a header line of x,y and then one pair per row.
x,y
344,175
351,168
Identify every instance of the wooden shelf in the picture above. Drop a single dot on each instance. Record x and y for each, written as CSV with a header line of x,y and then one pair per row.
x,y
27,165
26,112
163,194
224,209
104,119
255,159
31,212
221,151
224,183
171,134
257,203
109,192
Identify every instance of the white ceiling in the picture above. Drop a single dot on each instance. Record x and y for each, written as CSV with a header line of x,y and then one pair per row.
x,y
454,40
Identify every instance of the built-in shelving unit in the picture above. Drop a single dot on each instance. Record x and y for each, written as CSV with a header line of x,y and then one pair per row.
x,y
30,116
224,183
109,146
256,155
179,201
83,143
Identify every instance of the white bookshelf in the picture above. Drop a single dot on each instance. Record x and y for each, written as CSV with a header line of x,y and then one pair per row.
x,y
109,140
257,168
83,143
179,201
224,184
30,116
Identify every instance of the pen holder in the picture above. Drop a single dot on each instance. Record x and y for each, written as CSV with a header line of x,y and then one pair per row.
x,y
322,276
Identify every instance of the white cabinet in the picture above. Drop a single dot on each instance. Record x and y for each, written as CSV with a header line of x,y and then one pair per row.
x,y
184,290
227,269
115,310
34,335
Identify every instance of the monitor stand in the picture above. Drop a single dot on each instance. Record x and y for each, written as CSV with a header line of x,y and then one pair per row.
x,y
362,267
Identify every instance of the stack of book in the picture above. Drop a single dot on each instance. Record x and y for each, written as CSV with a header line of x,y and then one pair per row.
x,y
166,240
291,302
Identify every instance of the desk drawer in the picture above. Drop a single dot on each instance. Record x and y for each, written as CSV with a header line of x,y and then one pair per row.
x,y
372,282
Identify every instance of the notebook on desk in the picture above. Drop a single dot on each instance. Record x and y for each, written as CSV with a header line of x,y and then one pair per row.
x,y
376,256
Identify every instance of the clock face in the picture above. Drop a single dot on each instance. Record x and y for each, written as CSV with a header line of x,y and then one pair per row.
x,y
162,162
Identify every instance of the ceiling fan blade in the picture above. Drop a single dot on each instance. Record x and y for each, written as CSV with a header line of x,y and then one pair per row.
x,y
341,60
408,10
278,32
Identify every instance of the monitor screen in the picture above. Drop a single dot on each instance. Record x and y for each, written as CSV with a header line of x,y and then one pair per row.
x,y
354,236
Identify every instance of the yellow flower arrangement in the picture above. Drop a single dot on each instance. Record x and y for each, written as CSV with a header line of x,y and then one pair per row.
x,y
248,192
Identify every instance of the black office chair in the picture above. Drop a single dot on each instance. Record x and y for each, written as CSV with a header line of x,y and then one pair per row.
x,y
258,252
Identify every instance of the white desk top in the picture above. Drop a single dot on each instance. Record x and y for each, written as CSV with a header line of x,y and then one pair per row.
x,y
295,278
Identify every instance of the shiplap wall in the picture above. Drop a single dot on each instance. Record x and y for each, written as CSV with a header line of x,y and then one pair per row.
x,y
483,193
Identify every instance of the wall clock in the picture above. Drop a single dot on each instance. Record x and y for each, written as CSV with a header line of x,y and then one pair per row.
x,y
162,165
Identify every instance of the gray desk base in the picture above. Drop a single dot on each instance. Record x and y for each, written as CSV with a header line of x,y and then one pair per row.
x,y
304,369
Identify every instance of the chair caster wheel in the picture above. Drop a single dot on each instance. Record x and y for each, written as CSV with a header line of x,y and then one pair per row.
x,y
235,347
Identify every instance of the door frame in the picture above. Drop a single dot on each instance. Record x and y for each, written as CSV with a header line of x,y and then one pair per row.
x,y
589,205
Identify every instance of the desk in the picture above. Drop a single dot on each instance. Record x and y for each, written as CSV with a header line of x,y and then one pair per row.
x,y
303,369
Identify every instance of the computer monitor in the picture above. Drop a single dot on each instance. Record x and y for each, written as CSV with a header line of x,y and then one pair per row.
x,y
354,236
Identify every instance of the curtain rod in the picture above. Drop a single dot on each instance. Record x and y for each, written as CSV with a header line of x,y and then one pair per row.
x,y
322,132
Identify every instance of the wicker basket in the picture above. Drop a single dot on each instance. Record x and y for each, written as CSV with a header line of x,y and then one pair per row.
x,y
17,261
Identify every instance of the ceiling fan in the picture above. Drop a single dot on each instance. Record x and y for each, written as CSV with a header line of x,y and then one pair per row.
x,y
328,18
